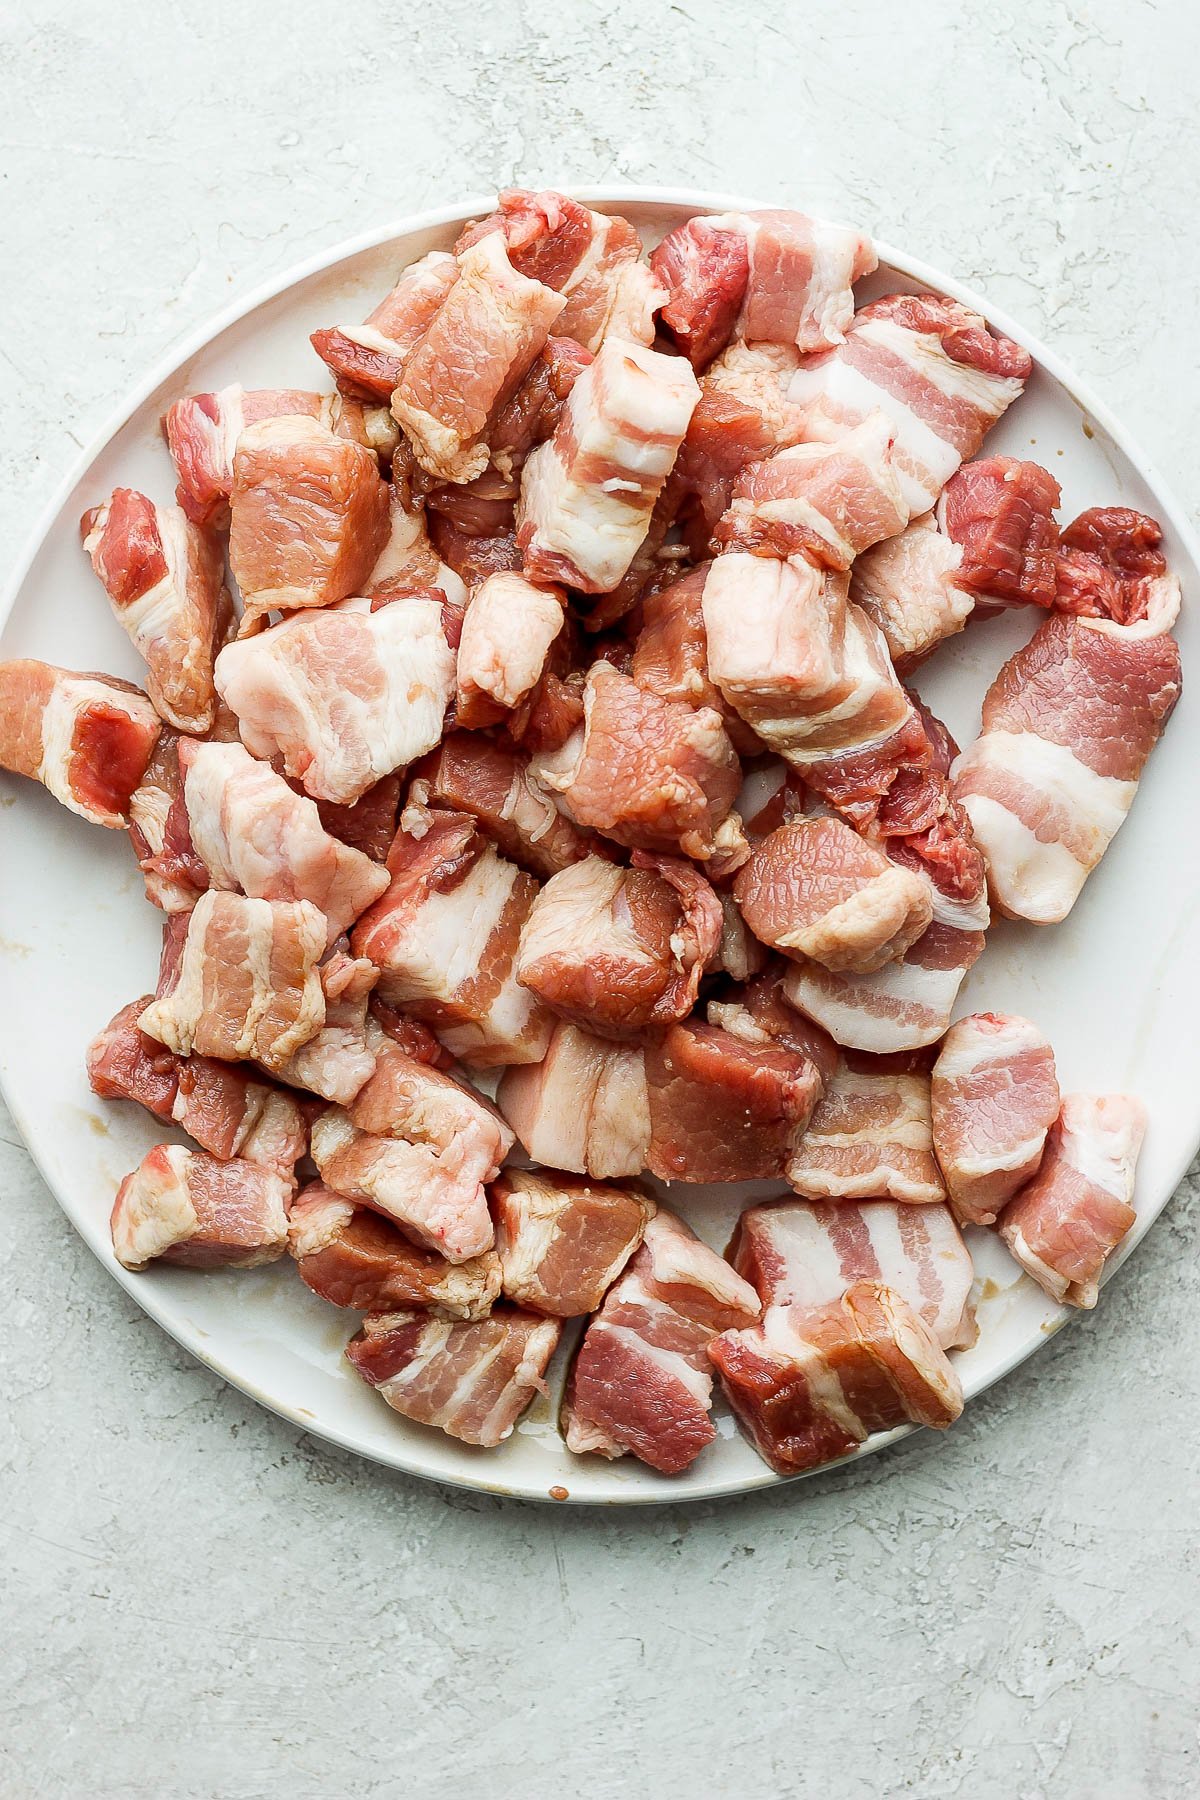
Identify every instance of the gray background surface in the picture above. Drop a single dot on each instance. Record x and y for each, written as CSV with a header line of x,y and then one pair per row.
x,y
194,1599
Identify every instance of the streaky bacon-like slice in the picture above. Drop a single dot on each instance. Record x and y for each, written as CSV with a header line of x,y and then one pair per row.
x,y
743,415
651,773
804,1254
587,496
812,1386
1000,512
485,336
870,1137
620,951
641,1382
87,738
532,415
584,1107
445,937
343,696
1065,1224
491,781
900,1007
933,367
159,835
340,1058
165,578
704,268
308,515
247,985
509,627
184,1206
1106,559
722,1109
471,1378
351,1256
1068,725
369,359
563,1240
994,1097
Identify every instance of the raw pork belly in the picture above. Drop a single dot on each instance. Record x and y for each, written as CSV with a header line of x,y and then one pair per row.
x,y
481,343
1068,725
804,1255
308,515
670,658
994,1098
933,367
908,586
650,773
902,1006
870,1137
1000,514
621,950
584,1107
445,936
165,578
812,1386
532,415
472,1379
354,1257
159,834
228,1111
491,781
337,1061
369,823
563,1240
829,502
1066,1223
87,738
369,359
247,984
641,1381
343,696
758,1012
587,496
704,267
743,415
1104,558
722,1109
184,1206
506,636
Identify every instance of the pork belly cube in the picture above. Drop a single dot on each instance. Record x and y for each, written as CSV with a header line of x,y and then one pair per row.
x,y
472,1379
1109,562
758,1012
506,636
641,1383
801,271
743,416
482,341
229,1112
816,889
346,696
159,834
247,986
562,1239
340,1058
994,1097
584,1107
999,511
704,268
902,1006
825,501
1065,1224
620,951
908,586
652,774
870,1137
670,657
587,496
445,936
184,1206
811,1386
492,782
804,1255
369,359
87,738
352,1256
165,579
722,1109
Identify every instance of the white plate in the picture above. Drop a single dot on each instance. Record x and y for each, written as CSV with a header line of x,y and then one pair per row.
x,y
1117,988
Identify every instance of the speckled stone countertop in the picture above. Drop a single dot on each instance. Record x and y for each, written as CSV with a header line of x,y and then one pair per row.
x,y
195,1600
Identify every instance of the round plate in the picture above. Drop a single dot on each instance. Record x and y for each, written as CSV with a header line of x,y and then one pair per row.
x,y
1116,988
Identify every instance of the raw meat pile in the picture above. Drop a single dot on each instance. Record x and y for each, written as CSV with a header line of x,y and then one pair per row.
x,y
563,733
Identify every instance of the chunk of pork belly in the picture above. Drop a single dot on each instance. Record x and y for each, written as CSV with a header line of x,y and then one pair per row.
x,y
340,1058
933,367
743,415
183,1206
1107,560
1065,1224
165,579
902,1006
908,587
345,696
87,738
1000,513
229,1112
369,823
481,343
445,936
585,1107
308,515
757,1011
704,268
247,985
408,558
650,773
828,502
800,276
369,359
471,1379
995,1096
159,833
870,1137
506,636
491,781
641,1381
811,1386
814,888
804,1254
413,1038
670,657
587,496
352,1256
562,1239
722,1109
620,951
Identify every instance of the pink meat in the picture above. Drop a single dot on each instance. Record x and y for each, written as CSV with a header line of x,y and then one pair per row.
x,y
159,834
743,415
870,1137
1001,513
354,1257
828,502
490,780
183,1206
705,269
1108,560
562,1239
87,738
584,1107
994,1098
722,1109
909,587
800,279
369,359
340,1058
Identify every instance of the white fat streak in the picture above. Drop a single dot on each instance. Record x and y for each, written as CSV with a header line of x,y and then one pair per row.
x,y
990,395
449,933
371,339
1048,1279
970,1046
899,1007
157,1211
524,1242
825,1390
698,1382
1102,1138
574,915
313,1226
155,614
870,676
852,392
435,1335
506,637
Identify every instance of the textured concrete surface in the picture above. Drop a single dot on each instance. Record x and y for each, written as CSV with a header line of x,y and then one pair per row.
x,y
195,1600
